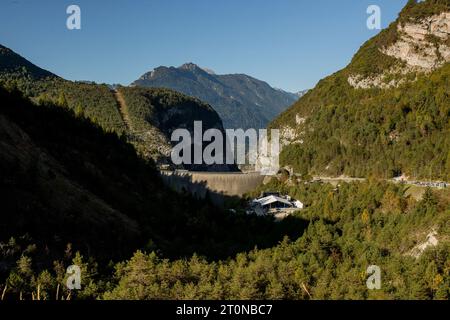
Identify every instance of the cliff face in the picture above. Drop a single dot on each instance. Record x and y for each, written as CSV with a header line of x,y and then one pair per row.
x,y
421,46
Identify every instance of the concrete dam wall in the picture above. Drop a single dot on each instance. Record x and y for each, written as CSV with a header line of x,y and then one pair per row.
x,y
218,186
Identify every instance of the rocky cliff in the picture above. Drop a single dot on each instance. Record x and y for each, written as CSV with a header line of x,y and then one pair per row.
x,y
420,46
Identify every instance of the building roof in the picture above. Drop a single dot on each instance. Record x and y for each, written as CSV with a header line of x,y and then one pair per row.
x,y
272,199
298,204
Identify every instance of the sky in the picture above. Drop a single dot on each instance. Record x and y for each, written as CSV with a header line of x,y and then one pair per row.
x,y
291,44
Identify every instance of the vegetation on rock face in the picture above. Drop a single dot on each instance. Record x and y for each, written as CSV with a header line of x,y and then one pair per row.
x,y
377,132
415,11
369,60
381,132
93,101
167,109
155,113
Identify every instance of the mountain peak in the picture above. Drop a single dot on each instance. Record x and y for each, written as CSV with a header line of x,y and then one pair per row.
x,y
194,67
240,100
190,66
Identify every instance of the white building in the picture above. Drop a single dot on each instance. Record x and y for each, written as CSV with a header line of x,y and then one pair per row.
x,y
275,204
298,204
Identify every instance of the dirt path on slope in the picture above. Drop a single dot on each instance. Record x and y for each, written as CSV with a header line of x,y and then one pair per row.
x,y
123,109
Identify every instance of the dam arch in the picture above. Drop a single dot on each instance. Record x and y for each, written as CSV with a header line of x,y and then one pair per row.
x,y
216,185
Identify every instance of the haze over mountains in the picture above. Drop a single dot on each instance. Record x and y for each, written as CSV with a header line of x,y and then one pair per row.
x,y
240,100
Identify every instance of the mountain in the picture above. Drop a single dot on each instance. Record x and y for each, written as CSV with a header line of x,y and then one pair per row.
x,y
240,100
301,93
146,117
294,95
151,116
14,65
387,113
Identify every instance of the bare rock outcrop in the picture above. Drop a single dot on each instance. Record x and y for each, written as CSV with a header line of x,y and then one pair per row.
x,y
431,241
422,46
293,134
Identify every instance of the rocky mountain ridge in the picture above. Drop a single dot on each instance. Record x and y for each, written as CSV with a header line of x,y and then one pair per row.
x,y
240,100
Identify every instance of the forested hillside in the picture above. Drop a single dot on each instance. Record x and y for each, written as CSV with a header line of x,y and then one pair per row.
x,y
150,114
14,66
350,228
385,114
342,231
155,113
70,189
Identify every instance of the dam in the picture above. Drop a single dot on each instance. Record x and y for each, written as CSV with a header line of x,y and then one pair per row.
x,y
216,185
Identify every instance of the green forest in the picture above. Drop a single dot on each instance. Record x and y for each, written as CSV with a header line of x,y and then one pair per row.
x,y
348,229
385,133
342,231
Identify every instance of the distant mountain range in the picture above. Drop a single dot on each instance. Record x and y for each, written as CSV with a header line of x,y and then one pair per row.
x,y
240,100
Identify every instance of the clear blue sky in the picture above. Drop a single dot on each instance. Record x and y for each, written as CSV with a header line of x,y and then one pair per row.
x,y
291,44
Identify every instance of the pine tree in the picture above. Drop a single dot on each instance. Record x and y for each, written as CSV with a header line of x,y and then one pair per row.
x,y
79,112
62,101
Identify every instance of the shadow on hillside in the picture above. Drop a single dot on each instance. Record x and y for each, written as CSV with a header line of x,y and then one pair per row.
x,y
250,230
133,209
183,183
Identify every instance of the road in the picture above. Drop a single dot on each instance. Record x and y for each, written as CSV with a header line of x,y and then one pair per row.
x,y
431,184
